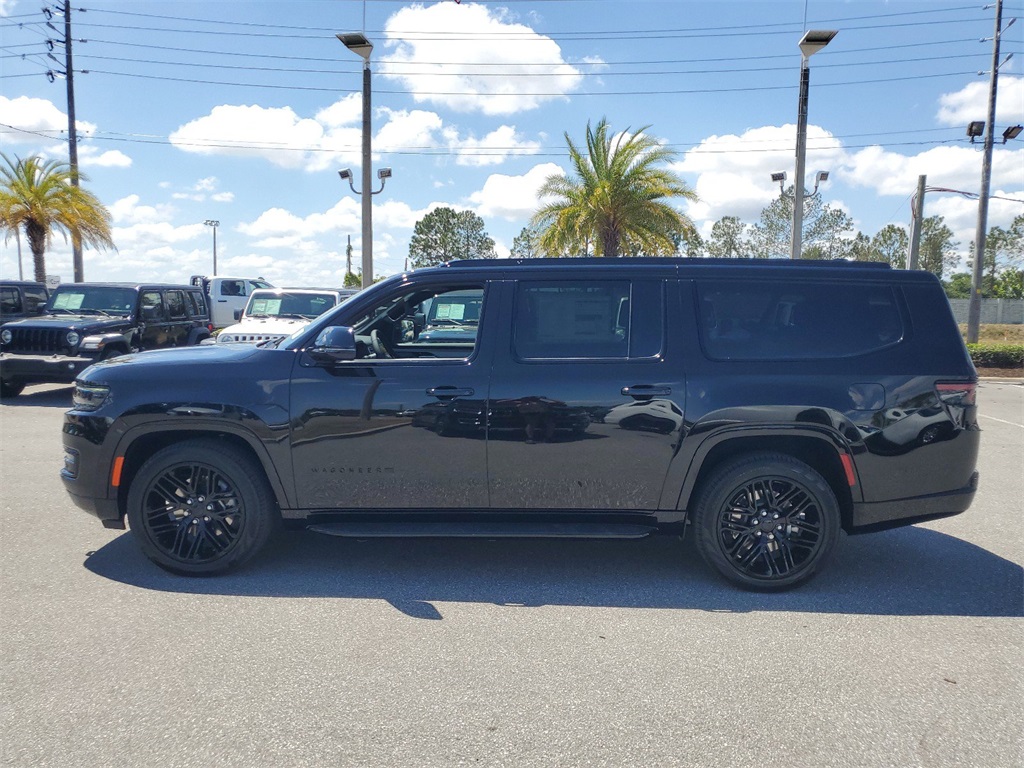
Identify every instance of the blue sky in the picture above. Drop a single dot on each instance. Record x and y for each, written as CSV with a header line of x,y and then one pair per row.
x,y
243,112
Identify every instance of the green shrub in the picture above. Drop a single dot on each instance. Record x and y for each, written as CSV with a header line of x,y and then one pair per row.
x,y
997,355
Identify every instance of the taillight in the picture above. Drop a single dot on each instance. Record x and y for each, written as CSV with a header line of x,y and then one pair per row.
x,y
957,392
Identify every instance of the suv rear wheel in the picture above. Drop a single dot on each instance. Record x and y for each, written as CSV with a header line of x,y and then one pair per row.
x,y
200,508
766,521
10,388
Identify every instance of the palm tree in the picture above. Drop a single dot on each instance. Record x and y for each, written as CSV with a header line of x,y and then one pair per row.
x,y
616,198
39,196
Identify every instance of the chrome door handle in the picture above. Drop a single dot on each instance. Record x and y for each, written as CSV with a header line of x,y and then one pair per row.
x,y
646,390
446,392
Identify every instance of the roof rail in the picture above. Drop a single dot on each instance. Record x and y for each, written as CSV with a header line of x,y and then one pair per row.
x,y
666,260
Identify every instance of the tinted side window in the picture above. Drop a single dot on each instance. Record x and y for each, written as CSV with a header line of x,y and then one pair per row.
x,y
196,304
10,301
572,320
151,306
746,320
35,300
176,305
233,288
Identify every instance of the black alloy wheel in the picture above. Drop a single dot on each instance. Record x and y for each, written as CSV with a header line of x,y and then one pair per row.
x,y
767,522
200,508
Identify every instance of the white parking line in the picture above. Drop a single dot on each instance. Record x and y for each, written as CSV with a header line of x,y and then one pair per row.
x,y
1001,421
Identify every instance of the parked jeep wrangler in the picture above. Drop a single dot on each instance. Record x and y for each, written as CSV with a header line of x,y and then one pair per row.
x,y
86,322
766,406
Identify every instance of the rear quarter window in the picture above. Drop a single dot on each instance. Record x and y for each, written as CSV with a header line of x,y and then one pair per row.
x,y
808,320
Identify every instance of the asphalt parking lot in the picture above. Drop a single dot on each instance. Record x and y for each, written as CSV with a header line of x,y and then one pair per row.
x,y
907,651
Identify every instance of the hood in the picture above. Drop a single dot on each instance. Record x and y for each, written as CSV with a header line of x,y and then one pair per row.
x,y
259,328
83,324
190,359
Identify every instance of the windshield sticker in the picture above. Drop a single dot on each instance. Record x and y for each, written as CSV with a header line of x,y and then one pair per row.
x,y
68,300
265,307
450,311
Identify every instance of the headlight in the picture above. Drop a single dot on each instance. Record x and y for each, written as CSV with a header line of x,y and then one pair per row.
x,y
72,338
225,338
5,336
89,397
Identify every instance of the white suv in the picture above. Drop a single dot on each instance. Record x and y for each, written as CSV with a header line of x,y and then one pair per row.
x,y
273,313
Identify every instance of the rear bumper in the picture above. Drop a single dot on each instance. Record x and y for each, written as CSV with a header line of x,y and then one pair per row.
x,y
39,369
879,516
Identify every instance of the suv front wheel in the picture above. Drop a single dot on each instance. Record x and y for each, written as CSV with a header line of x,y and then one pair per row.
x,y
766,521
200,508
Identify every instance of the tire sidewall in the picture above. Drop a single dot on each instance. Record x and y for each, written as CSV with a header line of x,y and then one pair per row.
x,y
738,473
260,512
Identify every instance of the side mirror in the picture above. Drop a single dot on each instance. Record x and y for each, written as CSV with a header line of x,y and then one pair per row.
x,y
238,314
335,344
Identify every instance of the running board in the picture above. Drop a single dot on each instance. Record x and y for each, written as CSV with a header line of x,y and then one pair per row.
x,y
484,530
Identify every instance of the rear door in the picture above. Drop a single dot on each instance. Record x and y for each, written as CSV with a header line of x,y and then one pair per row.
x,y
154,330
179,323
586,412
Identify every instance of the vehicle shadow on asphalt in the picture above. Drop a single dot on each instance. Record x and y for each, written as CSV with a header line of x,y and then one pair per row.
x,y
905,572
42,398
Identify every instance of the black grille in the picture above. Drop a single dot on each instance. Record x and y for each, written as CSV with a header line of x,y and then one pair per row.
x,y
37,341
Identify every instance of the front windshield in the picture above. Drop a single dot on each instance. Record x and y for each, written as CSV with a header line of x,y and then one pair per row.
x,y
295,305
92,300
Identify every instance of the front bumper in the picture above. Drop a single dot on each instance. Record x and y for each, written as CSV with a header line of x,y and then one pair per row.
x,y
40,369
86,475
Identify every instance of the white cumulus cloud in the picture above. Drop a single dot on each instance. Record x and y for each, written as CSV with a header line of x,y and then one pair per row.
x,y
513,197
34,119
971,103
474,59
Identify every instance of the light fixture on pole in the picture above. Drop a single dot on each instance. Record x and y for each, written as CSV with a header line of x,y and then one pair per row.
x,y
213,223
812,42
975,129
358,43
780,177
1012,132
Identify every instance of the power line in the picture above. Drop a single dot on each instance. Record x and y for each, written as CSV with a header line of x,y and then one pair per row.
x,y
633,92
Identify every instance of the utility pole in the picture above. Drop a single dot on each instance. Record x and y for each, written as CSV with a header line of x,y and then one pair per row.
x,y
916,221
76,241
974,308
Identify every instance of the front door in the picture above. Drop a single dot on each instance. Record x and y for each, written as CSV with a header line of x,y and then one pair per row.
x,y
403,426
586,413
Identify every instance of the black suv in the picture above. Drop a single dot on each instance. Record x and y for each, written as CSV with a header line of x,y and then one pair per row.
x,y
767,405
21,298
86,322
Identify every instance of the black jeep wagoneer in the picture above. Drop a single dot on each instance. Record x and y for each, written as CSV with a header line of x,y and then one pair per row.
x,y
764,405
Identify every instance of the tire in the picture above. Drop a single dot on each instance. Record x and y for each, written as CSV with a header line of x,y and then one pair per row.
x,y
767,522
200,508
10,388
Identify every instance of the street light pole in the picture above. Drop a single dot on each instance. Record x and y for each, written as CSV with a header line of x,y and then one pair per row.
x,y
812,42
974,306
360,45
213,223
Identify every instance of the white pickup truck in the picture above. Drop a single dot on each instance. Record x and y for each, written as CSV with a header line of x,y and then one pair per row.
x,y
227,296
